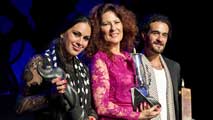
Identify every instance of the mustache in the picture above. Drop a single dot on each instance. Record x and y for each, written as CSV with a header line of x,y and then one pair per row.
x,y
158,43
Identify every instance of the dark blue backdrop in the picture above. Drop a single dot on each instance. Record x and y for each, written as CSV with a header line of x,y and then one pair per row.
x,y
27,26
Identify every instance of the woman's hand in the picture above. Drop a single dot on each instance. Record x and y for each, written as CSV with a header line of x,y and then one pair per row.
x,y
61,85
148,112
92,118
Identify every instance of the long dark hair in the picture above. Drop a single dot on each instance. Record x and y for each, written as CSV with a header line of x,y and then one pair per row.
x,y
72,19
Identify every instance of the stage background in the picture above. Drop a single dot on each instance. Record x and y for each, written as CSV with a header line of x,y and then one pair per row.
x,y
27,26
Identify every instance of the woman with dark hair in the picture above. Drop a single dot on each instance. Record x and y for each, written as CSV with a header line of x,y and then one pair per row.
x,y
57,82
112,68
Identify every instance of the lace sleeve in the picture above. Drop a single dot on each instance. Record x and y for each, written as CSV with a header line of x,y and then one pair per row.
x,y
101,88
31,76
31,97
31,103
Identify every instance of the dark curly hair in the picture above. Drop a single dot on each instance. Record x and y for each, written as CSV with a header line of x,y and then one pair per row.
x,y
128,21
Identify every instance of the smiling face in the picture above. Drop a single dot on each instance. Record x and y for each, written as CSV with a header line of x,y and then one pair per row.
x,y
156,38
76,38
112,28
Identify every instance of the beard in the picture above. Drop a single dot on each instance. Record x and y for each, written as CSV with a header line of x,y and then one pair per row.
x,y
158,49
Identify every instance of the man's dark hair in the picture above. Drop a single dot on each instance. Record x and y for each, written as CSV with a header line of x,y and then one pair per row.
x,y
144,26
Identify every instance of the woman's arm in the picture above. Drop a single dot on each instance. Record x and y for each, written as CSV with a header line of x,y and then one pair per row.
x,y
31,99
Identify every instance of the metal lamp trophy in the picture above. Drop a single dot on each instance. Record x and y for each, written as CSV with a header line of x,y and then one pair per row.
x,y
140,93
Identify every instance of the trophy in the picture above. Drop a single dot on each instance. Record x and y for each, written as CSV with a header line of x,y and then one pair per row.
x,y
50,73
70,95
140,92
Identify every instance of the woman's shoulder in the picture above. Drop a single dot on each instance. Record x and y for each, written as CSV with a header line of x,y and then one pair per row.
x,y
35,59
100,54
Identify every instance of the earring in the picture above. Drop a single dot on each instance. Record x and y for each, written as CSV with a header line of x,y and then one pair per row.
x,y
61,36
